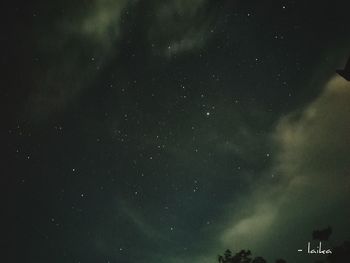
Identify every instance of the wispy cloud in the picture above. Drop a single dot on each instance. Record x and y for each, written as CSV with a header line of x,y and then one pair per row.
x,y
309,178
310,170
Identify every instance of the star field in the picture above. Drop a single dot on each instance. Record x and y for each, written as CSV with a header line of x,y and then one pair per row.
x,y
172,130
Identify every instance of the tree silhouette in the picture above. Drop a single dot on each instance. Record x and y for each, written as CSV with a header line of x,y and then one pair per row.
x,y
340,254
322,235
241,257
259,260
226,258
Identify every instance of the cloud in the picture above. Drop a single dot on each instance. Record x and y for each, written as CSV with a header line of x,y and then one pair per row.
x,y
176,25
308,180
141,224
309,177
74,51
102,24
179,26
80,44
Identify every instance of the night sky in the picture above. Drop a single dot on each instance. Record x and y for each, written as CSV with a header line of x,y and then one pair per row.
x,y
171,130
